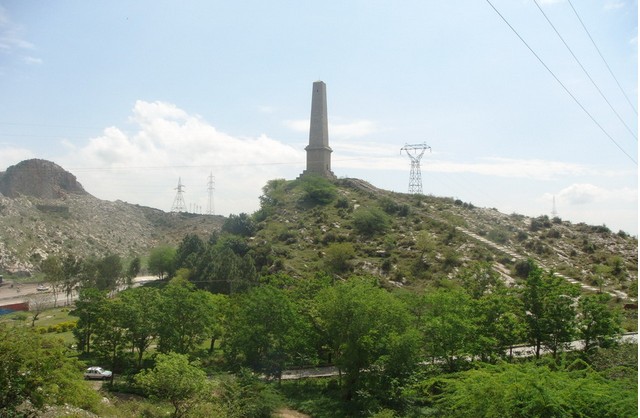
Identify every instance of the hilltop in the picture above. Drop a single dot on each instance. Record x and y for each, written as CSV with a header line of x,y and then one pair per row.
x,y
45,211
414,240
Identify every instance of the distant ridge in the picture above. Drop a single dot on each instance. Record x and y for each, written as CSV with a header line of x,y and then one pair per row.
x,y
39,178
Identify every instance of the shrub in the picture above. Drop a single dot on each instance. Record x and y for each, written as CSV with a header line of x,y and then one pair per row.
x,y
338,257
239,225
370,221
342,203
318,189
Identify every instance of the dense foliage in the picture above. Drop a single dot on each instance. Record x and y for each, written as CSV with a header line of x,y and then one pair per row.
x,y
36,371
430,333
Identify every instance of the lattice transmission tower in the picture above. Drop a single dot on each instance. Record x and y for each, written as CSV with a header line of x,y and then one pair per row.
x,y
211,184
415,153
178,202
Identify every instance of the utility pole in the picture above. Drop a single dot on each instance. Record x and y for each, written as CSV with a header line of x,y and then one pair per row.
x,y
211,187
178,201
415,153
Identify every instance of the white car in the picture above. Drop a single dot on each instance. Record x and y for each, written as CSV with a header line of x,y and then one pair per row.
x,y
97,373
42,288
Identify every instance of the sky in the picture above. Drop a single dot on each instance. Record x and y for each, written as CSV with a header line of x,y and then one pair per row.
x,y
132,97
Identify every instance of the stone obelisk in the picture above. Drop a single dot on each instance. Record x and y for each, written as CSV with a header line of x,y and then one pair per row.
x,y
318,150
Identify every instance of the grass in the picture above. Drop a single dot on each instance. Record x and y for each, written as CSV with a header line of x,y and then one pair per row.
x,y
48,318
319,397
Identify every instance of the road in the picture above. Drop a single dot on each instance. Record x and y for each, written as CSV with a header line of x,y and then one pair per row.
x,y
16,293
518,351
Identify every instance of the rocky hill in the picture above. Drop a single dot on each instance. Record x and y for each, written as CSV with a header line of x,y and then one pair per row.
x,y
39,178
45,211
427,239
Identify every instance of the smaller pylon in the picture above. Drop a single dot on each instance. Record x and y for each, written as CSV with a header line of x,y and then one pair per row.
x,y
211,184
178,202
554,211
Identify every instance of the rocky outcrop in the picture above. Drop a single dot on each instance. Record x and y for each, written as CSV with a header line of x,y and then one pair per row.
x,y
39,178
44,211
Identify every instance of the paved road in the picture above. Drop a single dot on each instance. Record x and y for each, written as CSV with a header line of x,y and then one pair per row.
x,y
21,292
519,352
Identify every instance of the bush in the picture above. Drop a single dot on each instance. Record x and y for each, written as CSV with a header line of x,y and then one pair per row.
x,y
370,221
342,203
338,257
318,189
241,225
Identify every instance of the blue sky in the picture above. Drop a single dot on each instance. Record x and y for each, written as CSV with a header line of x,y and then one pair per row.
x,y
130,96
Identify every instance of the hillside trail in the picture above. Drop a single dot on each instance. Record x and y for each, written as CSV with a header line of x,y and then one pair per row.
x,y
511,253
501,269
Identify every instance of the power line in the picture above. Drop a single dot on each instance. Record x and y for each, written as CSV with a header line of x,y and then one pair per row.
x,y
584,69
561,83
603,59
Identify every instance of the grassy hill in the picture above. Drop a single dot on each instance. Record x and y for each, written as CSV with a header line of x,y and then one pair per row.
x,y
351,227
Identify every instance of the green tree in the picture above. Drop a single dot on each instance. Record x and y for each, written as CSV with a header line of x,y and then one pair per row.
x,y
500,324
598,324
161,261
110,333
175,380
550,313
143,318
448,327
188,251
241,224
54,275
39,370
133,270
264,331
370,221
187,317
109,272
88,310
366,328
71,268
221,270
273,193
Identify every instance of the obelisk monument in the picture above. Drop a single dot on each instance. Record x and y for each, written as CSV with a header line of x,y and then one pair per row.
x,y
318,151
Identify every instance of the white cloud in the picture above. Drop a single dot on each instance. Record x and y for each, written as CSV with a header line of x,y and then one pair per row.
x,y
31,60
143,166
584,194
13,41
9,155
298,125
614,5
267,109
512,168
354,129
11,35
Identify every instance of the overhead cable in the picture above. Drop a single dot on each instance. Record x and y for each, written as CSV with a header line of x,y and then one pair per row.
x,y
561,83
603,59
584,70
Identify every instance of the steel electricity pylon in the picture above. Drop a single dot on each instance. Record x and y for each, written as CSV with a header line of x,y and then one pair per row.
x,y
210,188
178,202
415,153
